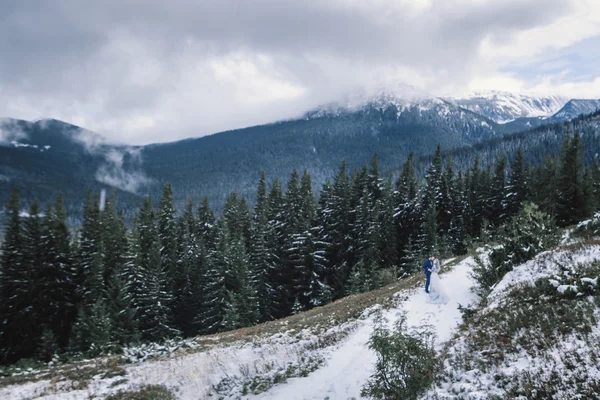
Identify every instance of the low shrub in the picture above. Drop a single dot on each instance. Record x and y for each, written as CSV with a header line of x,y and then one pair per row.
x,y
406,362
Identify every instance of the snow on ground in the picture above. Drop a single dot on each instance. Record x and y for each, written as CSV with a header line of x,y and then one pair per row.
x,y
568,357
346,365
545,264
351,364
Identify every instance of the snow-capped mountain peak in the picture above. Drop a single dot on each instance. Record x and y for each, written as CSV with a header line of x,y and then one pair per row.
x,y
504,107
399,95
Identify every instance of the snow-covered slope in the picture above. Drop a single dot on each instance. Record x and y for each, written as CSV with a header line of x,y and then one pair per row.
x,y
577,107
339,358
403,97
503,107
491,356
536,336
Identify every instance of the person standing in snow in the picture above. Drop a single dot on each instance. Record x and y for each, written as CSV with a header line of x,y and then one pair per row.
x,y
436,292
427,267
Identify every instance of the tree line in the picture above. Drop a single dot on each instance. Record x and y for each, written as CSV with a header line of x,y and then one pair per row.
x,y
182,273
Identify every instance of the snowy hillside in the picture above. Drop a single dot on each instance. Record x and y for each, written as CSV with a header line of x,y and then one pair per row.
x,y
539,323
312,363
577,107
503,107
537,334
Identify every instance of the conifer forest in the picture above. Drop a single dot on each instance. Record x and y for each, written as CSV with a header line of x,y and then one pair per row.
x,y
111,282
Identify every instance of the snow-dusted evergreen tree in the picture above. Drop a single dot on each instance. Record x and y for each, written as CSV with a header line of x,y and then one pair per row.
x,y
444,203
516,190
154,298
495,202
366,234
122,314
262,262
246,301
212,292
335,220
475,211
206,225
55,276
594,172
571,204
388,234
114,239
91,267
457,235
544,186
33,260
167,234
91,332
15,287
119,299
189,257
406,215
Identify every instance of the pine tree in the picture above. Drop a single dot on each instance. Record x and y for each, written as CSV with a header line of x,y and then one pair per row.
x,y
114,240
407,213
16,288
167,234
544,186
188,259
123,318
261,262
55,276
206,224
154,297
67,274
516,191
91,333
33,262
335,217
571,204
495,205
91,267
595,188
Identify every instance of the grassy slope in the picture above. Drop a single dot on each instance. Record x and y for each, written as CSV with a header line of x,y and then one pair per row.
x,y
529,340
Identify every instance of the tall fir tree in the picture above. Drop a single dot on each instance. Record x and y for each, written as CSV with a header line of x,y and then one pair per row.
x,y
516,190
571,203
16,287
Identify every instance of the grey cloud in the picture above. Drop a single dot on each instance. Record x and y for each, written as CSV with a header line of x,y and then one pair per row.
x,y
110,61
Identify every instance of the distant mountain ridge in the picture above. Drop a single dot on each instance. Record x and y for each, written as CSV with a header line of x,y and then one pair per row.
x,y
576,107
46,156
503,107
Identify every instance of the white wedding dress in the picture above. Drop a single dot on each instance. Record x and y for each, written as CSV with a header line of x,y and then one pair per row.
x,y
437,295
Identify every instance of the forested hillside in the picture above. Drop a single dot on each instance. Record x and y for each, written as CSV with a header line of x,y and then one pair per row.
x,y
183,273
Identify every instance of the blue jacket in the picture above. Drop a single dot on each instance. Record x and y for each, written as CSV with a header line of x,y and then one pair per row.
x,y
427,266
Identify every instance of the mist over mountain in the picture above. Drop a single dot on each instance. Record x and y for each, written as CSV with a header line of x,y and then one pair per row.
x,y
47,156
504,107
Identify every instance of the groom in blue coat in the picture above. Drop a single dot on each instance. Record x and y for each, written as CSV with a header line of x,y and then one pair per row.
x,y
427,266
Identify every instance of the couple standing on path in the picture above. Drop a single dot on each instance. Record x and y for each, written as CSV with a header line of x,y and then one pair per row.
x,y
433,284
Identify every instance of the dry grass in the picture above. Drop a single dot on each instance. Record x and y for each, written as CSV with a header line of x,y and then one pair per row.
x,y
317,319
324,317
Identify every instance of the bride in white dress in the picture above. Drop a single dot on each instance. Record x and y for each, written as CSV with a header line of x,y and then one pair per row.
x,y
436,291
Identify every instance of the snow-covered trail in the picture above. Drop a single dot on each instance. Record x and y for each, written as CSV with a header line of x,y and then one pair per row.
x,y
350,365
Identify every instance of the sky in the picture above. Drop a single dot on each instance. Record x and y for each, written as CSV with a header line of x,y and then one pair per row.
x,y
145,71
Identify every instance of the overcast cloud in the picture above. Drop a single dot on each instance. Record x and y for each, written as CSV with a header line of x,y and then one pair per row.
x,y
143,71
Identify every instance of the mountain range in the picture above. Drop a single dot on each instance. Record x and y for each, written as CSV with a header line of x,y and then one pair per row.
x,y
47,156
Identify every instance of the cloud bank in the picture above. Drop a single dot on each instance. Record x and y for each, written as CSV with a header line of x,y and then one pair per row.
x,y
148,71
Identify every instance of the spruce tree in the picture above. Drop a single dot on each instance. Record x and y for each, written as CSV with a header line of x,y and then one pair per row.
x,y
167,234
155,296
261,260
495,205
516,191
571,205
16,285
